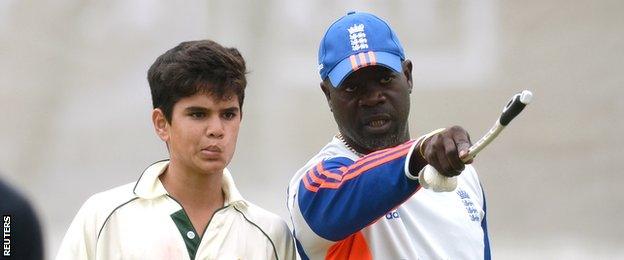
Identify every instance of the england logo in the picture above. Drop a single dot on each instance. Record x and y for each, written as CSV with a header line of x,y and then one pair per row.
x,y
358,37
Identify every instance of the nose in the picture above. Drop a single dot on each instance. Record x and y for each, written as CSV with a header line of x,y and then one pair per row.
x,y
372,96
215,128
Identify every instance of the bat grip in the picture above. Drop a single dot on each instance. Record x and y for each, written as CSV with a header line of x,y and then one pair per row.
x,y
515,105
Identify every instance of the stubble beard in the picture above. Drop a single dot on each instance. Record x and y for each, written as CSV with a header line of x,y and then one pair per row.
x,y
378,142
382,142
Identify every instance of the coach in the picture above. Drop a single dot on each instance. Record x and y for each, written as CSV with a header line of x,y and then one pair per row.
x,y
359,197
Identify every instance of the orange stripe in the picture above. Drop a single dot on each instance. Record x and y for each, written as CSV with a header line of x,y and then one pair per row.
x,y
372,58
370,157
319,168
360,171
313,177
398,147
307,185
400,150
377,163
352,247
381,153
363,60
336,185
326,173
329,174
354,64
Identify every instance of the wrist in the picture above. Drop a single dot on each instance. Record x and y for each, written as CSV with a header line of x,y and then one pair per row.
x,y
416,160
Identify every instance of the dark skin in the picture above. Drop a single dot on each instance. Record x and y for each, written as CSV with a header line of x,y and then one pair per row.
x,y
371,107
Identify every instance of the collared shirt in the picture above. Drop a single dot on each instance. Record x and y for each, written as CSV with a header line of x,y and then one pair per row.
x,y
141,221
344,206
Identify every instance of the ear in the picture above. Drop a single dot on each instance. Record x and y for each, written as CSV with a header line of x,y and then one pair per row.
x,y
326,90
161,125
407,71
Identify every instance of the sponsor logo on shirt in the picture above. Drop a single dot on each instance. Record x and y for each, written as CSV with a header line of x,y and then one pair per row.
x,y
473,213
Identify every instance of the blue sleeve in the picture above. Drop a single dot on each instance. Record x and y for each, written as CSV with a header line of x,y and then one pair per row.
x,y
339,197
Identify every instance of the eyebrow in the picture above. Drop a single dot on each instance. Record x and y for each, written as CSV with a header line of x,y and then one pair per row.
x,y
231,109
196,108
203,109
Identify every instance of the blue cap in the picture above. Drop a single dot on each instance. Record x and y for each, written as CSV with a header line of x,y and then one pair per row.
x,y
355,41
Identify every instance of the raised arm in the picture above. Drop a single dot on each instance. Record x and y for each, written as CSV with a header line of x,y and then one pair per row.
x,y
338,196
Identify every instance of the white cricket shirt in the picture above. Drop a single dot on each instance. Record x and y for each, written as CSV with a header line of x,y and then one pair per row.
x,y
141,221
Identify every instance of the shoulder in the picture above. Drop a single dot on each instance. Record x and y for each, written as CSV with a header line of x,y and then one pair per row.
x,y
102,204
97,209
333,151
274,228
270,223
113,196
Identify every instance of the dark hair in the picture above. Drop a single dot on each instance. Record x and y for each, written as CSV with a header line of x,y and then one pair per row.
x,y
196,66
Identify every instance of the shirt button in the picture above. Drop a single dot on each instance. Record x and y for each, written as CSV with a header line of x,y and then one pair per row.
x,y
190,234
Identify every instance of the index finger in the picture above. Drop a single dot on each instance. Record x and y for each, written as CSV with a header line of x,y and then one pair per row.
x,y
463,143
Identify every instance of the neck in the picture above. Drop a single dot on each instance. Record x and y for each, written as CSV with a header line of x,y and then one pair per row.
x,y
351,145
193,189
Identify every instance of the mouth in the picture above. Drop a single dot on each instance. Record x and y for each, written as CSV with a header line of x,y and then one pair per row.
x,y
211,152
212,148
378,124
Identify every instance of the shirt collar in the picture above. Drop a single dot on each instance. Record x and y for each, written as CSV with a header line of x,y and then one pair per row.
x,y
149,186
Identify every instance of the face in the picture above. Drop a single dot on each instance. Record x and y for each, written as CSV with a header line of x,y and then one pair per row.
x,y
371,106
202,134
